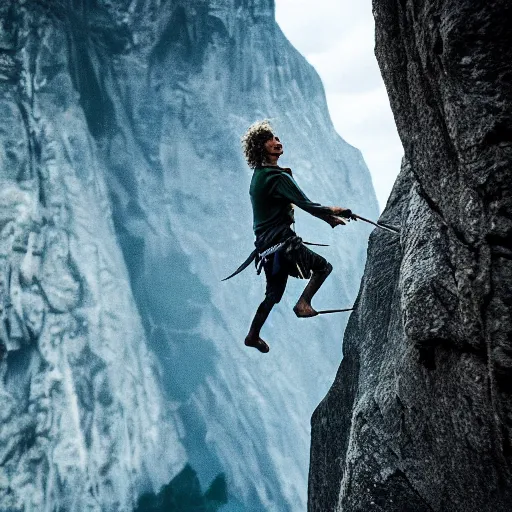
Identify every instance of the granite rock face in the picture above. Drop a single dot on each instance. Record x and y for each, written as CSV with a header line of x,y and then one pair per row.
x,y
419,417
123,202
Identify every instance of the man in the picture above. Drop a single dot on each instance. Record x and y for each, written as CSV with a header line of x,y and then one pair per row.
x,y
278,250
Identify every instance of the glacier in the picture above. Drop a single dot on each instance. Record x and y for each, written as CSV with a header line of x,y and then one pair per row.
x,y
123,203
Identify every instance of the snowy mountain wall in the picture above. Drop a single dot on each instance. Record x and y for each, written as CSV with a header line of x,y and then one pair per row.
x,y
124,201
419,417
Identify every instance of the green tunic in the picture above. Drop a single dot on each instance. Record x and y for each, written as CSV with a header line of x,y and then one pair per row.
x,y
273,191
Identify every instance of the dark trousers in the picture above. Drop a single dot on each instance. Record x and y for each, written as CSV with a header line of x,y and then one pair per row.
x,y
277,272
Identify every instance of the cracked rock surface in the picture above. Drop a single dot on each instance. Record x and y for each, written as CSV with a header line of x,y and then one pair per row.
x,y
419,417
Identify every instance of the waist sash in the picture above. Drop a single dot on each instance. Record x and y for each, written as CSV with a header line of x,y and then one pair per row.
x,y
263,255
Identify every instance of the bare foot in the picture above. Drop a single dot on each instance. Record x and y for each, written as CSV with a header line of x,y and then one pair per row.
x,y
257,343
304,310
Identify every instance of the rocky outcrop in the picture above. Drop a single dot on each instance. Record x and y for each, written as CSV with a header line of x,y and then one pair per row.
x,y
419,417
123,202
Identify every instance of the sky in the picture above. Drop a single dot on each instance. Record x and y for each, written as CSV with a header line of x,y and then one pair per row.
x,y
337,38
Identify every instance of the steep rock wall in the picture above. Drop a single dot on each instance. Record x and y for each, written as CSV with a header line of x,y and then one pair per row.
x,y
419,415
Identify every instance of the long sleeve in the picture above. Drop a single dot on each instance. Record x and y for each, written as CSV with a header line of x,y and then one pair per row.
x,y
285,187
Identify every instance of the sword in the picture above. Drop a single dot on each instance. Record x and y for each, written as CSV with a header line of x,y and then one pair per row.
x,y
391,229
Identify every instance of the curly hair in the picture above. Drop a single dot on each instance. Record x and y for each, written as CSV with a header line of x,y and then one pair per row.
x,y
253,142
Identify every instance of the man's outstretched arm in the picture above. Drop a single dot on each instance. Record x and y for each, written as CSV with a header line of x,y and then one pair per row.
x,y
287,188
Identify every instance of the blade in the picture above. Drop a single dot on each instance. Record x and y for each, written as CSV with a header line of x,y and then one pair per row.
x,y
391,229
243,266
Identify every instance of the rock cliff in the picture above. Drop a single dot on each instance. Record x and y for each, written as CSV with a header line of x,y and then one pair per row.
x,y
419,417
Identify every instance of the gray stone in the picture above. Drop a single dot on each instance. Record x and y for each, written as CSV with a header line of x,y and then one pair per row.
x,y
419,416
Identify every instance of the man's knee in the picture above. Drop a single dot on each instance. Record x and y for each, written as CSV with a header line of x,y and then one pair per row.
x,y
326,270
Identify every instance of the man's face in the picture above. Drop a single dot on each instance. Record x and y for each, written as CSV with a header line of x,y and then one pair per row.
x,y
274,147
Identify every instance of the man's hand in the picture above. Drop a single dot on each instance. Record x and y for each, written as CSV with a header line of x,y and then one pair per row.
x,y
343,212
334,221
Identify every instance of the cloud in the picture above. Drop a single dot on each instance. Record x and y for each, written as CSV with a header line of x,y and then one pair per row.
x,y
365,120
315,26
349,64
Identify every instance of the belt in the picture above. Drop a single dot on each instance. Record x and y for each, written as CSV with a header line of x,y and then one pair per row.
x,y
267,252
271,250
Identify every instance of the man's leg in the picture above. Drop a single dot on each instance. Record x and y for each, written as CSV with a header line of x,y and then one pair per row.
x,y
303,307
253,338
276,285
